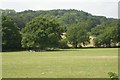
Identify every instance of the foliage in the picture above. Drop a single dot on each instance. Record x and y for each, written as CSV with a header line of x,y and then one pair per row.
x,y
113,76
106,34
118,31
41,33
67,17
11,37
106,30
63,44
77,34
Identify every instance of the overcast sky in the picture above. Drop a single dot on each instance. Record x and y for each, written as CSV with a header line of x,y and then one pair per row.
x,y
108,8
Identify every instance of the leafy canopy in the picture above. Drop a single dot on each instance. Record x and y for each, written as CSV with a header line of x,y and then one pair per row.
x,y
77,34
11,37
41,33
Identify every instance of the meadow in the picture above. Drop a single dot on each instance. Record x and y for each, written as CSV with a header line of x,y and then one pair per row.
x,y
66,63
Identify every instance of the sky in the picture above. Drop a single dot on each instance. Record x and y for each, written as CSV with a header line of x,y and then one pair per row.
x,y
108,8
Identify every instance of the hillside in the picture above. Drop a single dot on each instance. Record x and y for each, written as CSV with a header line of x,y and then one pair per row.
x,y
66,17
80,28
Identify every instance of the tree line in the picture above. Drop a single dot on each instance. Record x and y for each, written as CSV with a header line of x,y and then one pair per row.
x,y
43,30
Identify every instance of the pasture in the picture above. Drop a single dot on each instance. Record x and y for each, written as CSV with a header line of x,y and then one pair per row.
x,y
68,63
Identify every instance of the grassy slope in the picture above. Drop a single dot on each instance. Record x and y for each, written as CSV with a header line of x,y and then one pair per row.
x,y
80,63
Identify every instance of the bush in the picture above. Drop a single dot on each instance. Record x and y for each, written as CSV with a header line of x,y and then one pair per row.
x,y
63,44
113,76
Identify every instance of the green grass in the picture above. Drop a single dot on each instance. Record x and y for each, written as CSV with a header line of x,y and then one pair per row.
x,y
79,63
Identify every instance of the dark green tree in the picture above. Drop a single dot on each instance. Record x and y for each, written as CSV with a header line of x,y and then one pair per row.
x,y
106,34
11,37
63,44
77,35
41,33
118,28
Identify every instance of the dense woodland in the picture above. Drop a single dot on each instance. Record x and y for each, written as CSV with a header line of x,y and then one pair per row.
x,y
50,29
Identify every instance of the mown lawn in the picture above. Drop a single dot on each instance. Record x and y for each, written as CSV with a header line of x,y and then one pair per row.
x,y
73,63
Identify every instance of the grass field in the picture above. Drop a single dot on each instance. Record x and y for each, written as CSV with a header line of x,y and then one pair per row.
x,y
73,63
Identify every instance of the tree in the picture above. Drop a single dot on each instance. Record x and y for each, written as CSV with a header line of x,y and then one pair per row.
x,y
8,12
41,33
118,32
106,34
11,37
63,44
77,34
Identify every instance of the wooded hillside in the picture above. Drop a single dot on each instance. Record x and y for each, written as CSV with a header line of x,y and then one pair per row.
x,y
78,26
